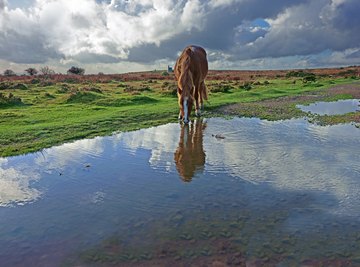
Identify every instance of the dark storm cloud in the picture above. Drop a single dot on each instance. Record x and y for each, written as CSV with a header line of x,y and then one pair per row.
x,y
298,28
219,31
355,54
144,31
25,49
2,5
90,58
305,30
348,16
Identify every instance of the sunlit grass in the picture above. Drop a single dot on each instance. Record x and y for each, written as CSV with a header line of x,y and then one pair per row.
x,y
61,112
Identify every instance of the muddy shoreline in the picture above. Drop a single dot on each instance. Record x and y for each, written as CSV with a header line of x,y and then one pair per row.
x,y
285,107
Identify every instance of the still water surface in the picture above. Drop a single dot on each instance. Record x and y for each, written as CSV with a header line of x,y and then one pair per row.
x,y
232,191
332,108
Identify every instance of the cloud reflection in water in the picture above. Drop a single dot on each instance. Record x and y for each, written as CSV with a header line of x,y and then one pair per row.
x,y
288,155
15,185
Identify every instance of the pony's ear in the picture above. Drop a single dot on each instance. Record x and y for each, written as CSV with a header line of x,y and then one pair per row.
x,y
188,51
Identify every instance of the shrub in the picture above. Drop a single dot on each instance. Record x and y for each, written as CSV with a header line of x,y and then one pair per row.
x,y
31,71
348,72
48,95
131,89
310,77
9,100
222,88
5,85
76,71
20,86
70,80
246,86
299,73
9,73
45,83
92,89
122,85
46,71
169,91
143,100
64,88
81,97
35,81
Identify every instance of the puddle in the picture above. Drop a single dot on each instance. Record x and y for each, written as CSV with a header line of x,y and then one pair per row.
x,y
332,108
279,192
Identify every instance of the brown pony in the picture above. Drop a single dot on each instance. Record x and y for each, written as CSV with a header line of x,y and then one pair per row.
x,y
190,70
190,156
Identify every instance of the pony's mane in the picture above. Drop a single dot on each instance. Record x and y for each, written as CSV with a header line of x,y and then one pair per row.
x,y
186,79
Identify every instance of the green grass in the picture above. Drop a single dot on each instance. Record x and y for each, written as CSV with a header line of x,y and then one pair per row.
x,y
59,113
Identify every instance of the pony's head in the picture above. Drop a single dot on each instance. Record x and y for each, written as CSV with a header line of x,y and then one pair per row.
x,y
185,96
185,104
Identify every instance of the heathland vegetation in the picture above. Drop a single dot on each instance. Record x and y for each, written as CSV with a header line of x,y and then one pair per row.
x,y
39,111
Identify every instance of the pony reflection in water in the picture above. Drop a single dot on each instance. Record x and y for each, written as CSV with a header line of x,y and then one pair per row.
x,y
190,70
189,157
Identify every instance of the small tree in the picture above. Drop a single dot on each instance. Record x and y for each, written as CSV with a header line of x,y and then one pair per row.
x,y
76,70
31,71
46,71
9,73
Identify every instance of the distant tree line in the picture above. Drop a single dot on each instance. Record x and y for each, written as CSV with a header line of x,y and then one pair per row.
x,y
45,71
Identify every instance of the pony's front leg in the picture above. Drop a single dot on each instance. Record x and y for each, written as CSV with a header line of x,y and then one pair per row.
x,y
180,115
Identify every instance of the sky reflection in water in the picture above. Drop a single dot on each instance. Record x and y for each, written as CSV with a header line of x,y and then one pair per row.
x,y
71,197
332,108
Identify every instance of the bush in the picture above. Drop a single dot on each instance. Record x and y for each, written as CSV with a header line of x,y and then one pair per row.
x,y
35,81
309,78
9,100
9,73
47,71
348,72
81,97
92,89
5,85
76,71
222,88
48,95
246,86
299,73
45,83
169,91
64,88
20,86
131,89
31,71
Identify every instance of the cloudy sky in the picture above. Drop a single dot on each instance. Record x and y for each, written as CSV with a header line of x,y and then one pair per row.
x,y
114,36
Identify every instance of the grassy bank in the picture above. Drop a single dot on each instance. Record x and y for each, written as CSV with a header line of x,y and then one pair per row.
x,y
39,113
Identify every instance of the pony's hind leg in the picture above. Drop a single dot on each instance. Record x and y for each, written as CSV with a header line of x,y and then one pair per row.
x,y
198,99
197,102
202,94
